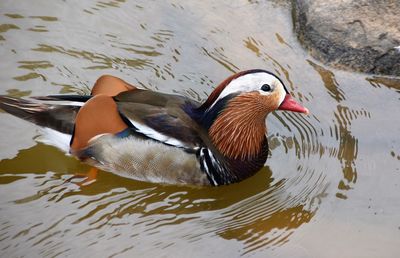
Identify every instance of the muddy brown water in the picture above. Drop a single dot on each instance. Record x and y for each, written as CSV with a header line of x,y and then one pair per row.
x,y
332,184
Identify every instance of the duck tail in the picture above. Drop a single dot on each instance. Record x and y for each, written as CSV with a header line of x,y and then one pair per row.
x,y
58,117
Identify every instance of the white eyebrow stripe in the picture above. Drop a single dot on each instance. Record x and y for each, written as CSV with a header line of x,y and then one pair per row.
x,y
246,83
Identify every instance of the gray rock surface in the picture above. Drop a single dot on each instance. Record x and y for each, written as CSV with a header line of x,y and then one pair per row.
x,y
361,35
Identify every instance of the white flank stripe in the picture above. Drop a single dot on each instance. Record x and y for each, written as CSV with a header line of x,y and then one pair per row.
x,y
151,133
64,103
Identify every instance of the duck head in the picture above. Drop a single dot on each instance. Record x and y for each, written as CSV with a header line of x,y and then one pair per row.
x,y
236,111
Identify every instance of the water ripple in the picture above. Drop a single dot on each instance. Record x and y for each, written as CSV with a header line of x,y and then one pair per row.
x,y
314,160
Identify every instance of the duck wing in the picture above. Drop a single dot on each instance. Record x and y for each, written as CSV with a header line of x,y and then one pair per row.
x,y
148,114
161,117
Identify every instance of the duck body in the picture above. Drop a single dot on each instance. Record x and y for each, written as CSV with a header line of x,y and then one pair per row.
x,y
165,138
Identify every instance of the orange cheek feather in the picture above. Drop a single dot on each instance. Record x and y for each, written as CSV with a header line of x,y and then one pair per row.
x,y
240,129
270,102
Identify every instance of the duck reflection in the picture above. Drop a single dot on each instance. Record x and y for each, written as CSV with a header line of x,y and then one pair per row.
x,y
259,212
272,230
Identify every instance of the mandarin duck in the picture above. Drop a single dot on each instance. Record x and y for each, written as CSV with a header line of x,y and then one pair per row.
x,y
164,138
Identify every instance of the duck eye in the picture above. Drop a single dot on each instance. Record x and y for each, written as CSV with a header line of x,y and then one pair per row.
x,y
266,87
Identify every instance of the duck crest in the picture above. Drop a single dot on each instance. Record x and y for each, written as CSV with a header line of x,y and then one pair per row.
x,y
217,91
239,130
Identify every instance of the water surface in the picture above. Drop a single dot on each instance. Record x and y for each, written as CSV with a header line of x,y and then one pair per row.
x,y
331,185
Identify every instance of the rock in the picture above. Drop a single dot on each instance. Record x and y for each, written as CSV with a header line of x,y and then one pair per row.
x,y
361,35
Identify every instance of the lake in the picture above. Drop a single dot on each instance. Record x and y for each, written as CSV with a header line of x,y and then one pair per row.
x,y
331,187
